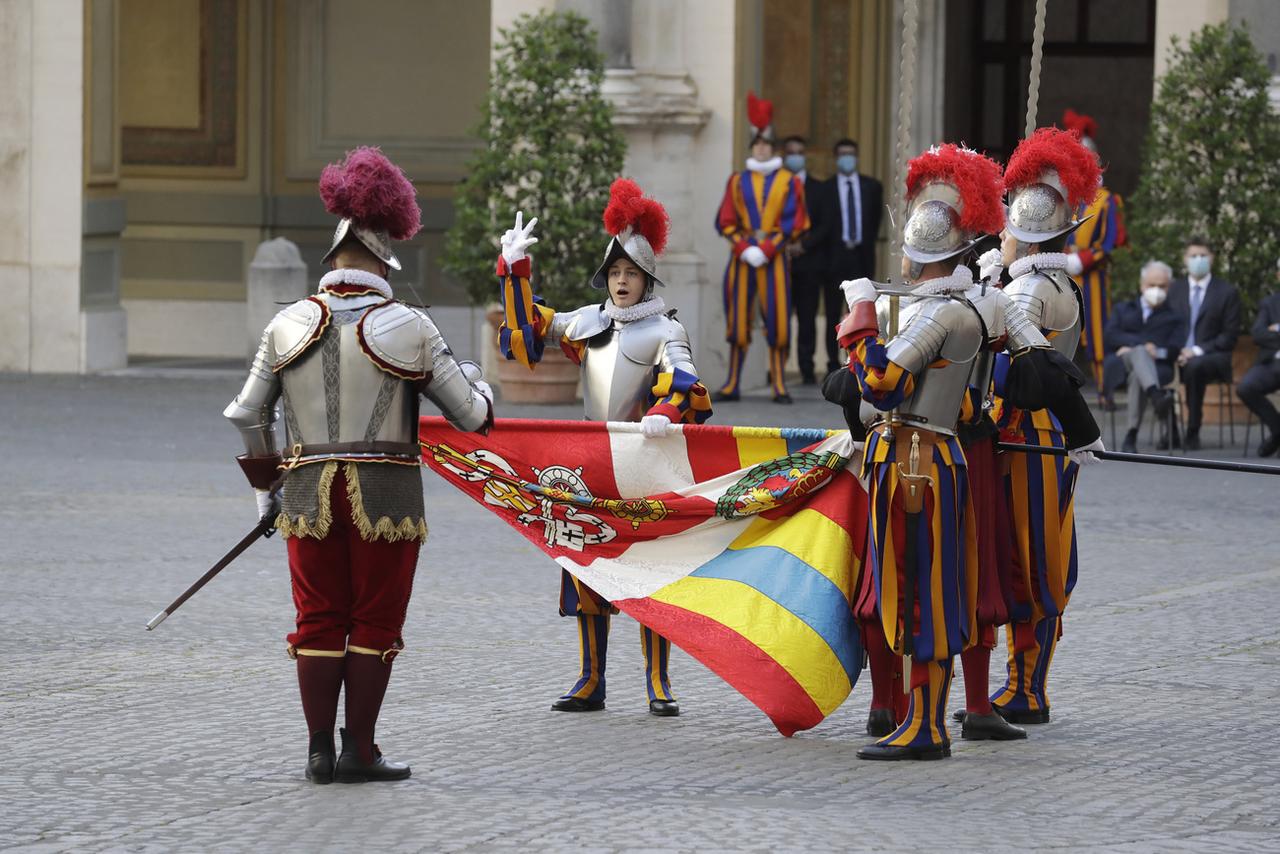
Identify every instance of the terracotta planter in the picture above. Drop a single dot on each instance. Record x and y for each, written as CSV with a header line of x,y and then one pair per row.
x,y
554,380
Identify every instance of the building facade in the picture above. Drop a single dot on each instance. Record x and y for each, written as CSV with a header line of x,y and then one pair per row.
x,y
147,147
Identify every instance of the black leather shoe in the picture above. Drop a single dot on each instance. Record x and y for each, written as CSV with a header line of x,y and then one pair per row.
x,y
1163,444
958,715
351,769
664,708
1022,716
782,398
573,704
880,722
1130,443
727,395
1270,446
1192,442
1161,402
321,757
990,727
892,753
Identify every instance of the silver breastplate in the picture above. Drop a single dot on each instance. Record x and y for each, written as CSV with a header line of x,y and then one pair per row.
x,y
939,329
1051,301
334,393
618,369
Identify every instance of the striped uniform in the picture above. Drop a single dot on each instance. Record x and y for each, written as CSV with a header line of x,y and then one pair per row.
x,y
1041,490
765,211
678,395
945,576
1102,234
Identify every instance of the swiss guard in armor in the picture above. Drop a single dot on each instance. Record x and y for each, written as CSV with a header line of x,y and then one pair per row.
x,y
922,548
637,365
1048,177
763,208
348,365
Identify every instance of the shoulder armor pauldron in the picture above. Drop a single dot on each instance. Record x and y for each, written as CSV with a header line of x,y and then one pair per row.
x,y
393,336
295,328
586,322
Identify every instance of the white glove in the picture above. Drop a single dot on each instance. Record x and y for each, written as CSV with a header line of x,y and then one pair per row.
x,y
653,426
858,290
1074,265
754,256
1083,456
484,389
990,265
516,240
268,504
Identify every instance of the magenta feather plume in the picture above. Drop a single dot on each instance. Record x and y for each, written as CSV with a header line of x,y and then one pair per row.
x,y
370,190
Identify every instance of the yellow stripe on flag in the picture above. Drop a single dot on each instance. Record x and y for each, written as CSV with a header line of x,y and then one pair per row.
x,y
811,537
782,635
755,448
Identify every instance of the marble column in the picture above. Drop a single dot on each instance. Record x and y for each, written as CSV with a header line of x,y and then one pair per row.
x,y
41,54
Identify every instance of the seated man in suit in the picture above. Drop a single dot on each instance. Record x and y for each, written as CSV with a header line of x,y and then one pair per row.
x,y
1264,377
1211,307
1142,339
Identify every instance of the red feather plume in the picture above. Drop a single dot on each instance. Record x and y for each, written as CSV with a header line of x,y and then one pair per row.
x,y
628,208
370,190
1051,148
759,111
1079,123
974,175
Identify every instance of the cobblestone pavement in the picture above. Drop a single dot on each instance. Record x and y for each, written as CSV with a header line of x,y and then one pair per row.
x,y
119,491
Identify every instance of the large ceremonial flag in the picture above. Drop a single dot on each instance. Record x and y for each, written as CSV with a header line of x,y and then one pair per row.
x,y
741,545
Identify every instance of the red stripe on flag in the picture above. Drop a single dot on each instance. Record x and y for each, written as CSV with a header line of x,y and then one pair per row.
x,y
713,451
736,660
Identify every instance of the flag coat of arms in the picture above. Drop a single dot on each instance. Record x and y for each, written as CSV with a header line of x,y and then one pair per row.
x,y
741,545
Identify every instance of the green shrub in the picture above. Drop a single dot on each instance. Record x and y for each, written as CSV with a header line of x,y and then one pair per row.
x,y
550,149
1211,165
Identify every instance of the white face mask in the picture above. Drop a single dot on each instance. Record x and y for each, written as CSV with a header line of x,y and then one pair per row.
x,y
1154,296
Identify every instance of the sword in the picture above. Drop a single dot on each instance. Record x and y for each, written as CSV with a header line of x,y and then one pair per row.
x,y
264,528
1146,459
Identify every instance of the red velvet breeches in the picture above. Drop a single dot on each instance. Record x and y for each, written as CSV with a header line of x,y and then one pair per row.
x,y
349,591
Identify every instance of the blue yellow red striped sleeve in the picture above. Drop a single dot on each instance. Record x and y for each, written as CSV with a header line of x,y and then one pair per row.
x,y
1107,234
524,319
680,396
884,384
730,221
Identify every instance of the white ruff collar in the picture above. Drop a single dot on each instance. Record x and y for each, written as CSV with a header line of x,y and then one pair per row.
x,y
764,167
356,277
958,282
639,311
1040,260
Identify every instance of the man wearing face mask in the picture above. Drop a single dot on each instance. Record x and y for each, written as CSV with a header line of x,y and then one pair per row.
x,y
809,262
1143,339
852,237
1211,307
763,210
637,365
1264,377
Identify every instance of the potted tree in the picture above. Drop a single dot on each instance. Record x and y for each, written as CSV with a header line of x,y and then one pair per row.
x,y
550,149
1210,168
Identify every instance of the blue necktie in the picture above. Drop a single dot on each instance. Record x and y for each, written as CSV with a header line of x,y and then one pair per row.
x,y
1197,294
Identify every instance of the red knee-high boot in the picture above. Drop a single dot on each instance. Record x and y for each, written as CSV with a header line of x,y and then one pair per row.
x,y
319,683
886,683
366,678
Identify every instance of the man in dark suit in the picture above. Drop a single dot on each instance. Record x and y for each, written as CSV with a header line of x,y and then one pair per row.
x,y
1211,307
859,201
809,256
1141,342
1264,377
